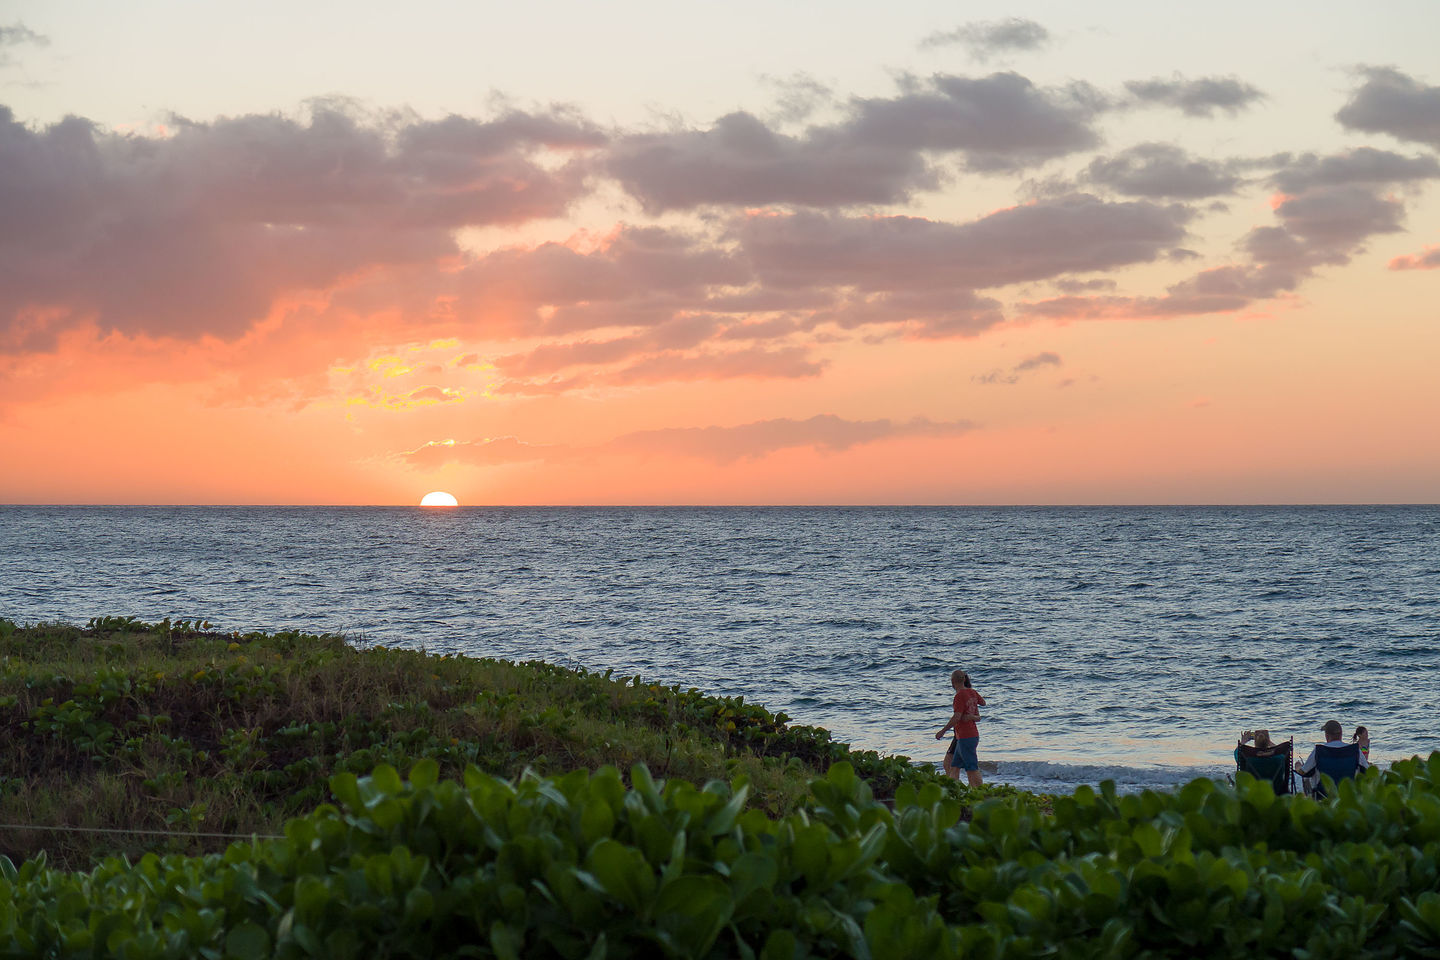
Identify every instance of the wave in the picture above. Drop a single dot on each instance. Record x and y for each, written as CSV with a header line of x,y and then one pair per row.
x,y
1045,776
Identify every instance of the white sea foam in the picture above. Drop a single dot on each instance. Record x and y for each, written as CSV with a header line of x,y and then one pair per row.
x,y
1043,776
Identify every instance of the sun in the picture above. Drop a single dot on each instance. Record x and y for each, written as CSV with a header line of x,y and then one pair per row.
x,y
438,498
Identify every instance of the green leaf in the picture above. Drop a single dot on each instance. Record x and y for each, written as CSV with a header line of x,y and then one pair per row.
x,y
248,941
386,780
692,911
780,945
596,820
752,871
506,941
424,774
723,819
622,872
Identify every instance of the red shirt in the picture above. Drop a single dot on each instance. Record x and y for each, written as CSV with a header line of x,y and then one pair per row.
x,y
965,702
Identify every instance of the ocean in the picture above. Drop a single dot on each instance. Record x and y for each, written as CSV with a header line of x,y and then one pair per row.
x,y
1121,643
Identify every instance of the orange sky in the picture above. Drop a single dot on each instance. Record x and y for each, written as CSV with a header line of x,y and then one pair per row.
x,y
989,280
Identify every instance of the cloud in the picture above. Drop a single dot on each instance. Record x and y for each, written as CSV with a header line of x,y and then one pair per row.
x,y
1395,103
485,452
1045,359
742,161
1339,202
679,333
797,97
878,153
1162,170
1428,259
681,301
985,38
823,432
1037,241
753,363
16,35
1035,362
1196,98
1002,122
199,231
1365,165
1070,285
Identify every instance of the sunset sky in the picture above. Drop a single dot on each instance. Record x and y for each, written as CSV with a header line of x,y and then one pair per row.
x,y
655,253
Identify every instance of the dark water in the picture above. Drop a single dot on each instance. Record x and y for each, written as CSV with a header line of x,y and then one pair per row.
x,y
1129,643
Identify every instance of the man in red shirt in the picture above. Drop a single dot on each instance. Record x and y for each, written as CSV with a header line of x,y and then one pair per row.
x,y
962,752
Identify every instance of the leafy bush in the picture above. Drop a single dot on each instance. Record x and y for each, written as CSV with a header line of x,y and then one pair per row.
x,y
127,725
581,866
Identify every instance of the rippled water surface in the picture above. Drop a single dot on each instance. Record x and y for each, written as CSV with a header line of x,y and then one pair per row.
x,y
1109,642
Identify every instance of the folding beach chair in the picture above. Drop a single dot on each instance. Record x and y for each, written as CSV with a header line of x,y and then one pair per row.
x,y
1274,764
1337,763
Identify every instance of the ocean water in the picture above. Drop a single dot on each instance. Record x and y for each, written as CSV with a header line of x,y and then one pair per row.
x,y
1110,643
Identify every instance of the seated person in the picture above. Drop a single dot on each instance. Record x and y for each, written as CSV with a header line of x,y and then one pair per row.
x,y
1265,760
1261,739
1334,737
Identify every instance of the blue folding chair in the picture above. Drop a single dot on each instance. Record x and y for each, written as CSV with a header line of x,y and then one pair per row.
x,y
1337,763
1274,764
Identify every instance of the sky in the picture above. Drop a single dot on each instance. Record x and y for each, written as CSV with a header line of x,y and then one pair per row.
x,y
739,253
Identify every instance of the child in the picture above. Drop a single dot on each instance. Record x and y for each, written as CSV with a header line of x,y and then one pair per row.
x,y
966,710
1362,737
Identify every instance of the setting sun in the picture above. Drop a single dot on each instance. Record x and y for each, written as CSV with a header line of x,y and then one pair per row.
x,y
438,498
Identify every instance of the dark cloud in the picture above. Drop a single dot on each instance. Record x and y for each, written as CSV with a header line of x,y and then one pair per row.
x,y
1365,165
1338,218
876,154
676,334
1428,259
199,232
999,122
1339,207
740,160
1395,103
1161,170
1196,98
1043,359
679,298
929,314
1070,285
1036,241
990,37
1000,377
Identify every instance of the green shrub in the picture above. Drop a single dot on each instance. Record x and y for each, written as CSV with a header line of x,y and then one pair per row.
x,y
583,865
127,725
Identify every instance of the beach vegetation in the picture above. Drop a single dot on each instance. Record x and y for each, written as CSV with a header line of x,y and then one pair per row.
x,y
596,864
180,729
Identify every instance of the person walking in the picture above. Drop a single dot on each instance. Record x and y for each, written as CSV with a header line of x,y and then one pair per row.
x,y
962,754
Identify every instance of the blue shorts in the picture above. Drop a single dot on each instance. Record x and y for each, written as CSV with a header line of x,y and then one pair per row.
x,y
962,753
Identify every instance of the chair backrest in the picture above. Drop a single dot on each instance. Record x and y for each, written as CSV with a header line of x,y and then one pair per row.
x,y
1270,764
1337,763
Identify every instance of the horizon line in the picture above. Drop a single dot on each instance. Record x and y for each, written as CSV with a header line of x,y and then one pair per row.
x,y
731,506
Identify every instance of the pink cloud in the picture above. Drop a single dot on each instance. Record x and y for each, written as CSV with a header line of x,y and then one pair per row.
x,y
824,432
1427,259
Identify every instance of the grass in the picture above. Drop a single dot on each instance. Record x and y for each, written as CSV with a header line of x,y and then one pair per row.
x,y
179,729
